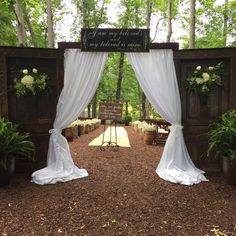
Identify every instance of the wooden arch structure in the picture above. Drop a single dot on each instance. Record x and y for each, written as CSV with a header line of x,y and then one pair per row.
x,y
36,117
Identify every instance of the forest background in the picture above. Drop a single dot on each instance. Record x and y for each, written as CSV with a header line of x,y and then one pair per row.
x,y
192,23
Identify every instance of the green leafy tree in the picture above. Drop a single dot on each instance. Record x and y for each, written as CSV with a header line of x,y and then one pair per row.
x,y
90,14
8,35
215,24
31,17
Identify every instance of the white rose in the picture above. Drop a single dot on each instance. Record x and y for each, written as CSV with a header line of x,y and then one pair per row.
x,y
205,89
199,80
210,68
35,70
198,67
205,76
25,71
28,81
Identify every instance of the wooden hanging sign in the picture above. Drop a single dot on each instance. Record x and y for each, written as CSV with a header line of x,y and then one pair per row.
x,y
110,111
115,40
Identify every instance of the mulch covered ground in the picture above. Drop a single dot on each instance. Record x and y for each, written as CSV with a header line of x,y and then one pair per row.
x,y
122,196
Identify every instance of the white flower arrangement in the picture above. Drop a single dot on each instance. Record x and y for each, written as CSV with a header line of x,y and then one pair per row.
x,y
204,80
85,122
30,82
149,128
136,122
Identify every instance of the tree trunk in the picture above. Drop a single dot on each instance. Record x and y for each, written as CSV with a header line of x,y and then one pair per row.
x,y
145,105
101,14
120,76
126,108
26,16
20,23
225,23
50,24
94,106
192,24
149,13
148,106
169,17
139,101
84,14
89,110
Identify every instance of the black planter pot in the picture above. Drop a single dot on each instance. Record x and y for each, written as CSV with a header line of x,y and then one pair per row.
x,y
6,173
229,169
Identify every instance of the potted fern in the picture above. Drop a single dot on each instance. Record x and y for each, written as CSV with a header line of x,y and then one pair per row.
x,y
13,145
127,119
222,141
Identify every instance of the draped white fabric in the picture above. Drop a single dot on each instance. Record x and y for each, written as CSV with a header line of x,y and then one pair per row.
x,y
155,72
82,74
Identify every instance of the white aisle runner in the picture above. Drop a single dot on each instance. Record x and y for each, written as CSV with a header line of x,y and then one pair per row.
x,y
122,137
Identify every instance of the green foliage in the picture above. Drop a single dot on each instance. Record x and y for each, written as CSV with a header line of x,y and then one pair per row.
x,y
8,36
132,14
153,113
14,144
210,29
107,86
90,14
222,137
31,82
126,119
204,80
160,6
34,12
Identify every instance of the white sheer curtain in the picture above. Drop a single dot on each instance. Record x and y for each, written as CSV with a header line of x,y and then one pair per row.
x,y
155,72
82,74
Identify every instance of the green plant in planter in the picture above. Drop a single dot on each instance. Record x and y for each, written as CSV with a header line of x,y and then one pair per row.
x,y
222,140
13,145
127,119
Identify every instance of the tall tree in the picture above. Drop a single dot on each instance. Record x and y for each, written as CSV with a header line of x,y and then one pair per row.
x,y
31,30
124,23
130,18
8,34
50,24
225,26
169,20
145,103
149,13
28,23
90,14
21,35
192,24
215,26
120,76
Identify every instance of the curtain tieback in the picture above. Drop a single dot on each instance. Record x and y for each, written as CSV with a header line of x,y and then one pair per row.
x,y
54,131
176,126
